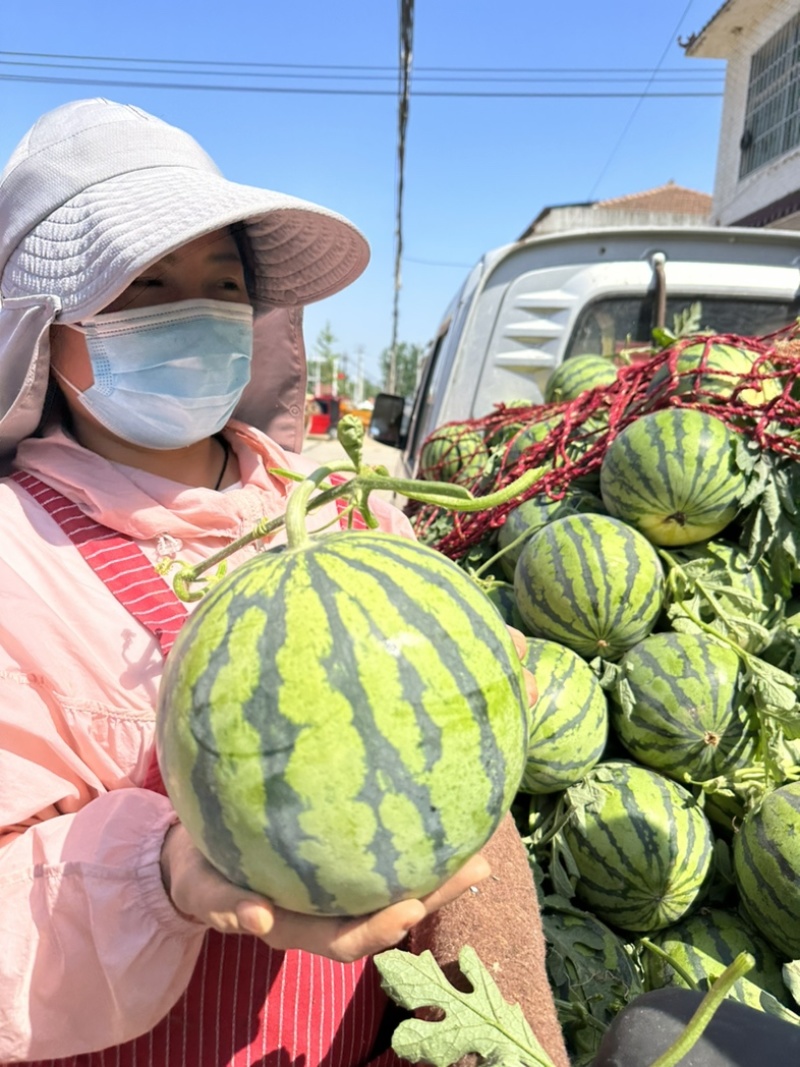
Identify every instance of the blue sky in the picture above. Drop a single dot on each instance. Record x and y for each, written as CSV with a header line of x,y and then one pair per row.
x,y
478,169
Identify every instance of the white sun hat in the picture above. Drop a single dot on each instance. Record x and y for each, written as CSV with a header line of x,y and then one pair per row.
x,y
95,193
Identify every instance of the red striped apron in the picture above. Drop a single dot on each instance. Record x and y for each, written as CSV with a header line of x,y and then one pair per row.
x,y
246,1004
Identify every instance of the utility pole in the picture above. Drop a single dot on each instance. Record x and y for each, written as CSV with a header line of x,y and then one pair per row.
x,y
359,387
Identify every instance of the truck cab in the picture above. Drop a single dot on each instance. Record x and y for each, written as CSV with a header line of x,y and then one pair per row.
x,y
528,306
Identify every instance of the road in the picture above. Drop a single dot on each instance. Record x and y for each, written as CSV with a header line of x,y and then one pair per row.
x,y
325,450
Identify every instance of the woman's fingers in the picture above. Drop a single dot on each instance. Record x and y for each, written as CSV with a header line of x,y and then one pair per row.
x,y
521,645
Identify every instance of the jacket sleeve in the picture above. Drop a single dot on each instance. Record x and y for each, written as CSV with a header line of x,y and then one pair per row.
x,y
92,953
501,921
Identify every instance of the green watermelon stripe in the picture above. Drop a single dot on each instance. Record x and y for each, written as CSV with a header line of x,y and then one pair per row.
x,y
639,867
282,824
669,462
321,712
566,586
769,871
224,843
418,618
661,720
584,584
381,756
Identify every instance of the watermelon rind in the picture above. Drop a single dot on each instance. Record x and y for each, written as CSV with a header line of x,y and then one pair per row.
x,y
672,475
590,582
522,521
711,371
704,944
641,845
569,721
679,707
577,374
766,863
319,715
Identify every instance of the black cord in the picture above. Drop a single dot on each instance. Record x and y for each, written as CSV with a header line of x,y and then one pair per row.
x,y
226,448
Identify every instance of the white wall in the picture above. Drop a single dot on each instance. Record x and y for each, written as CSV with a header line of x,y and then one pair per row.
x,y
734,199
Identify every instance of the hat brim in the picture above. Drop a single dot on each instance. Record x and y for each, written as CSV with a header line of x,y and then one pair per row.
x,y
90,249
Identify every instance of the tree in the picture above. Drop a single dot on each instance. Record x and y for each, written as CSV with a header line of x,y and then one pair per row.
x,y
408,358
327,370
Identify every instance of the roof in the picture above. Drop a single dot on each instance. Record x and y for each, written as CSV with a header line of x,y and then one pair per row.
x,y
668,197
723,32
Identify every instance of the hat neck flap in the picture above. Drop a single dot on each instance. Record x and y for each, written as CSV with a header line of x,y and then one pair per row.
x,y
24,367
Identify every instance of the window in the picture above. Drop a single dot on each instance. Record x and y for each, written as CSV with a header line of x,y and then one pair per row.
x,y
614,324
772,119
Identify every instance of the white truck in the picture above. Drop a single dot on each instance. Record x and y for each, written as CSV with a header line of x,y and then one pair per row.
x,y
526,307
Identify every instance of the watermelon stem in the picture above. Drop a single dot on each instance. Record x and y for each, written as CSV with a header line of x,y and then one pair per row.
x,y
645,942
743,963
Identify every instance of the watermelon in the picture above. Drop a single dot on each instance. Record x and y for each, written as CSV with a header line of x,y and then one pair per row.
x,y
576,375
590,968
707,371
569,722
501,594
671,474
528,436
453,453
766,862
343,724
526,518
589,582
746,605
641,844
704,944
679,706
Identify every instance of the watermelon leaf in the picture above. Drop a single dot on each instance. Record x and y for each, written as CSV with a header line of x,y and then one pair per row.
x,y
791,978
478,1022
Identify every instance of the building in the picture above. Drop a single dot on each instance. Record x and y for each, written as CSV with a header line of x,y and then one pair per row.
x,y
666,205
757,179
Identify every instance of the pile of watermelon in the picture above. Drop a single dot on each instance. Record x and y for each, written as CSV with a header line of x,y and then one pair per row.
x,y
652,567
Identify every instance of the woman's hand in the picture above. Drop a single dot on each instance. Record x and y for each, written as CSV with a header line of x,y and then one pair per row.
x,y
202,895
521,645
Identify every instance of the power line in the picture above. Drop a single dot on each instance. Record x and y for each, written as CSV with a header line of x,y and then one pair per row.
x,y
638,104
443,93
688,77
392,70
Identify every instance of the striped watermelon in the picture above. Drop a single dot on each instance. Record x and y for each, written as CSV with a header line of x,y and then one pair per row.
x,y
671,475
746,606
532,434
342,725
501,594
708,371
766,862
589,582
569,722
453,453
578,374
680,708
704,944
591,968
642,846
530,515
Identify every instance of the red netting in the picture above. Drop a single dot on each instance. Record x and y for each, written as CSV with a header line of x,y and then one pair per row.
x,y
493,450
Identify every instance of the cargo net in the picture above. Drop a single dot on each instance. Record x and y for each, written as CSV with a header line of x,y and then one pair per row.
x,y
568,440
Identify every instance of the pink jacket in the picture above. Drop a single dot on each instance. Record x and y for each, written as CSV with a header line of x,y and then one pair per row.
x,y
78,682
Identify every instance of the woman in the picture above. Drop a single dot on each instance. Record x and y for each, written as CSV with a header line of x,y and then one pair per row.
x,y
131,276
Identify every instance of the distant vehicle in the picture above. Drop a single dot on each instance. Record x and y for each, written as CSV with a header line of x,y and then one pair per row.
x,y
324,411
526,307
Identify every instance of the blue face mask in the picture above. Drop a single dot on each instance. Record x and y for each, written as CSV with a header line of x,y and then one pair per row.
x,y
169,375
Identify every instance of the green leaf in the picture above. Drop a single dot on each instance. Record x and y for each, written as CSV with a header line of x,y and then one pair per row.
x,y
479,1022
791,978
